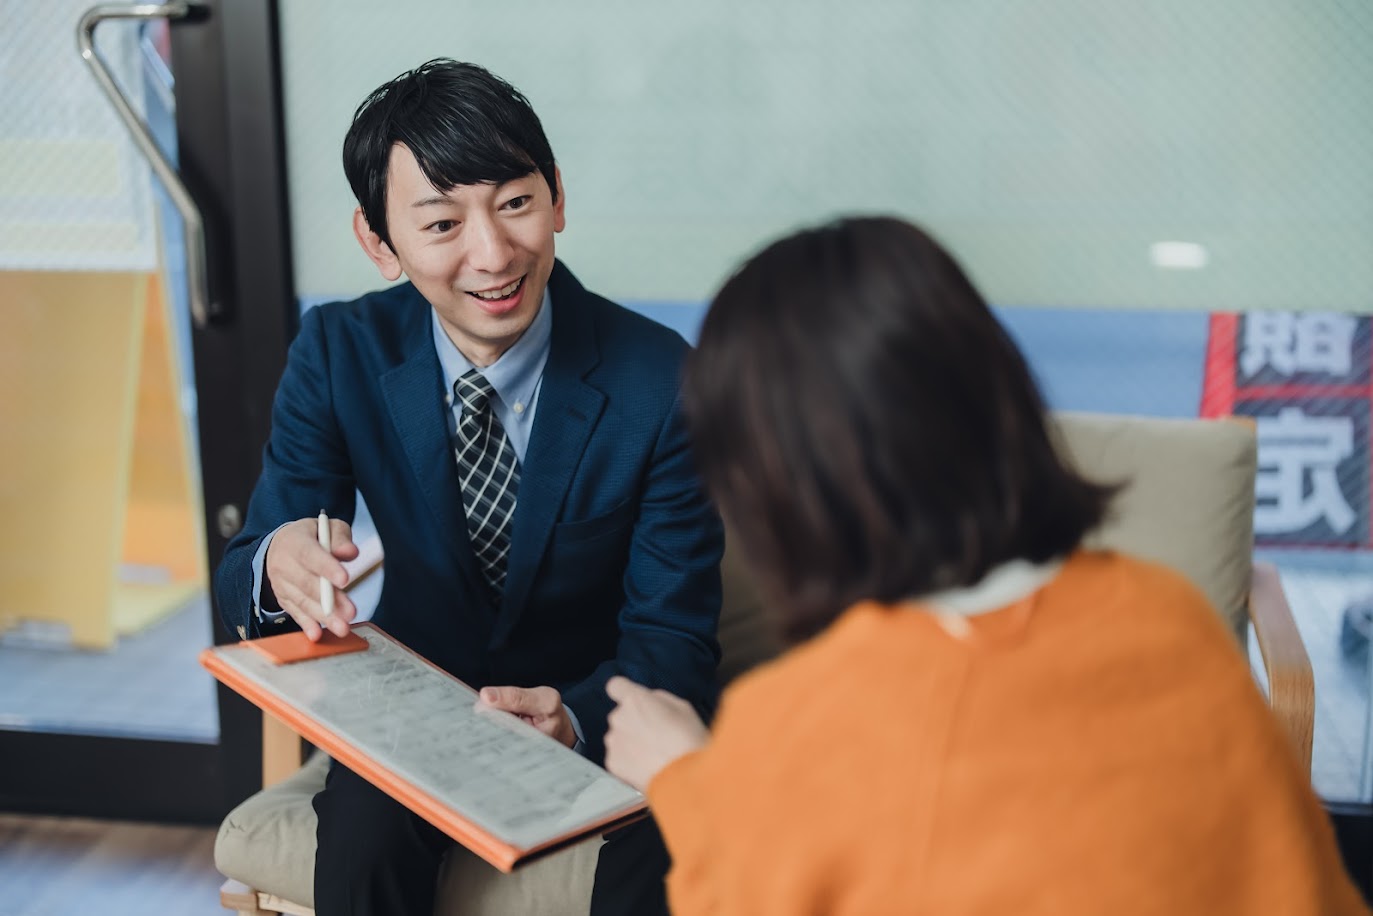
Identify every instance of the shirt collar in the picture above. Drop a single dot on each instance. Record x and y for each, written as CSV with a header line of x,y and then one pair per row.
x,y
1004,584
515,375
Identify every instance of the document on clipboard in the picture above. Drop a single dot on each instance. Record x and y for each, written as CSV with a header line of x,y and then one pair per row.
x,y
493,783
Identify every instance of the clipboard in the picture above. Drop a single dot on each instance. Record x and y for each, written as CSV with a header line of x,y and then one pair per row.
x,y
493,783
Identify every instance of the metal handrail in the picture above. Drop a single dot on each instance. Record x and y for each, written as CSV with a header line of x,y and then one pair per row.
x,y
197,270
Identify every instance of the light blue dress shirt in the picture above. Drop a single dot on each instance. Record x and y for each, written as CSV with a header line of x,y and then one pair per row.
x,y
516,377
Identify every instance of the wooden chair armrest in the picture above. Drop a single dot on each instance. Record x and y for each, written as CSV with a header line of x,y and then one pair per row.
x,y
1291,689
239,897
246,901
282,749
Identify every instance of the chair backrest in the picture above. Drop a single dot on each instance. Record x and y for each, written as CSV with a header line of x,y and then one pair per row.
x,y
1187,501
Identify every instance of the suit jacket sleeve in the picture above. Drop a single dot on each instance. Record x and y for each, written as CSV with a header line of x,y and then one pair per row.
x,y
305,468
672,593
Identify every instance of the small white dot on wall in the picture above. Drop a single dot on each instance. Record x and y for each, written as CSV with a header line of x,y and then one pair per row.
x,y
1178,255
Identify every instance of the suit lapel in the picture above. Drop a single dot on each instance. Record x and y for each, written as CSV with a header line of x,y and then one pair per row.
x,y
414,394
567,413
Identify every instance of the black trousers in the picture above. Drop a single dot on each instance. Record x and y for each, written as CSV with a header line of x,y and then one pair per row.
x,y
376,858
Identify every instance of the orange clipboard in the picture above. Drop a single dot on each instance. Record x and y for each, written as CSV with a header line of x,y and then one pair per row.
x,y
496,785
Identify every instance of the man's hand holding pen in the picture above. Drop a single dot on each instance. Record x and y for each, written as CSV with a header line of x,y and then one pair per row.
x,y
296,566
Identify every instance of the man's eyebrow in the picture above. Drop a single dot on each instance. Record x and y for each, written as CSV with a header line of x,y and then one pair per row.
x,y
440,199
432,201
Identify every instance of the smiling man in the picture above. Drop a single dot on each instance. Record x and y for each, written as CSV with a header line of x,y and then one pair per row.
x,y
519,443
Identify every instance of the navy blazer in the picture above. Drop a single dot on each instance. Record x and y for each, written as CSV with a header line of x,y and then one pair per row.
x,y
614,560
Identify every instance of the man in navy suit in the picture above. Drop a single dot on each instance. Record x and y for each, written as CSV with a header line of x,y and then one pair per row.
x,y
590,551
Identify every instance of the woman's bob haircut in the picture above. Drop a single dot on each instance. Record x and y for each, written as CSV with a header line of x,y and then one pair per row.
x,y
869,430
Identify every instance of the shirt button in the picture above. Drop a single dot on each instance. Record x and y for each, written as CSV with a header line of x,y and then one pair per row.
x,y
519,408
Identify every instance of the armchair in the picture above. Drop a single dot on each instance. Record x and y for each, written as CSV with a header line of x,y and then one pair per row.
x,y
1188,502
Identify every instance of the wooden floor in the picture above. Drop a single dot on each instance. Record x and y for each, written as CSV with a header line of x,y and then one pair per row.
x,y
61,866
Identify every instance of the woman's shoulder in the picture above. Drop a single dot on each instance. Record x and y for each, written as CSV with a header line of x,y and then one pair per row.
x,y
1116,610
832,677
832,649
1096,580
1093,567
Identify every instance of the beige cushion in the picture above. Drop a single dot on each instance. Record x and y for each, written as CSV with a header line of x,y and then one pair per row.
x,y
1188,502
1189,496
558,885
268,843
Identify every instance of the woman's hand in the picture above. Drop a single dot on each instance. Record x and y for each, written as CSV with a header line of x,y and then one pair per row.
x,y
648,729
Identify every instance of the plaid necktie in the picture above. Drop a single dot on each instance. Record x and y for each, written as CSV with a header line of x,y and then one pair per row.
x,y
490,476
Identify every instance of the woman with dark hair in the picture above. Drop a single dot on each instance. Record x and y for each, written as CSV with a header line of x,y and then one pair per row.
x,y
977,714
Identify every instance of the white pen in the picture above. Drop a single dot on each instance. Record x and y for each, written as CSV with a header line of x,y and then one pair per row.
x,y
326,588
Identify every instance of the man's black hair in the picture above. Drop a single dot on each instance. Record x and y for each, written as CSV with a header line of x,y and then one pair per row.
x,y
463,124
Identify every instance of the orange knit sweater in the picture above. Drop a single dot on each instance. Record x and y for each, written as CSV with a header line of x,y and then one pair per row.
x,y
1099,749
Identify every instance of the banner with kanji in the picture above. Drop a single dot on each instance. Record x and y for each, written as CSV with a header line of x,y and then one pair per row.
x,y
1305,379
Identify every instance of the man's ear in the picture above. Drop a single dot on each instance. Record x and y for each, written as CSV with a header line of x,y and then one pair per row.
x,y
380,252
560,208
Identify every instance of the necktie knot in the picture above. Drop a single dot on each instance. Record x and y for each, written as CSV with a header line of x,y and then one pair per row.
x,y
474,391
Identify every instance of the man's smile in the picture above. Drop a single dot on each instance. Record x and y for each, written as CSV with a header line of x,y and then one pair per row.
x,y
495,295
502,300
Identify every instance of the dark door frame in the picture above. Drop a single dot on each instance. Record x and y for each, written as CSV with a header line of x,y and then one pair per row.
x,y
226,61
233,152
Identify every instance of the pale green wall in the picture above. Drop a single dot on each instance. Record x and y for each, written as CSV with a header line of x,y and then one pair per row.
x,y
1050,142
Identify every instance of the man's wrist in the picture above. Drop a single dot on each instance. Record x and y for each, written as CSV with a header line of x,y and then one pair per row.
x,y
266,608
579,745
